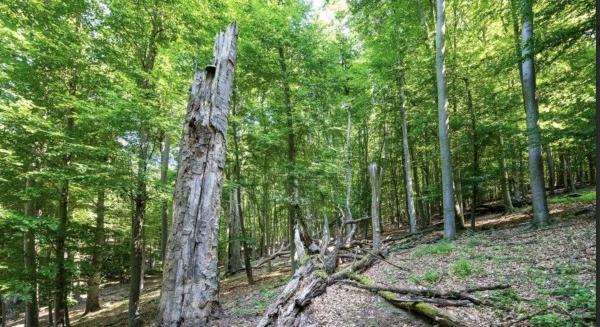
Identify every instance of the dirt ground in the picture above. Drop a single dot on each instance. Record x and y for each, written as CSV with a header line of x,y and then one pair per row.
x,y
551,272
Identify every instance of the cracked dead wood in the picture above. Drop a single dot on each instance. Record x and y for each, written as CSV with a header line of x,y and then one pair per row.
x,y
190,283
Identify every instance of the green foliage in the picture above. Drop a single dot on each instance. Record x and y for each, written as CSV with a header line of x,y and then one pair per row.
x,y
588,195
429,277
438,248
462,268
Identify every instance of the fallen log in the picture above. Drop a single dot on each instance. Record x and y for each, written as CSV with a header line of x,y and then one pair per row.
x,y
284,250
437,315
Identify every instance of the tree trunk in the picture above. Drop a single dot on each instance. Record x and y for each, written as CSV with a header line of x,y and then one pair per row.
x,y
31,305
410,202
508,206
137,237
476,146
551,173
234,262
240,213
190,284
61,283
536,166
460,221
350,229
164,209
591,169
446,160
375,178
92,302
292,181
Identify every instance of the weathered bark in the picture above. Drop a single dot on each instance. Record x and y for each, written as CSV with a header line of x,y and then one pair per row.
x,y
536,166
30,255
234,261
375,178
508,206
92,302
164,212
591,169
410,202
190,284
568,175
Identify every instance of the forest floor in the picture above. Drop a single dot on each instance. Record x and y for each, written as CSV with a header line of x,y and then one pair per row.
x,y
551,272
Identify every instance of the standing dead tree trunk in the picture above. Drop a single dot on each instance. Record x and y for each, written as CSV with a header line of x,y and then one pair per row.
x,y
350,230
190,284
374,175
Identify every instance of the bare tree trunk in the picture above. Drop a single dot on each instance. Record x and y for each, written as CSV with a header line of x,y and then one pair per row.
x,y
446,160
551,173
536,166
410,202
476,146
31,305
92,302
350,229
508,206
375,177
164,209
190,284
234,262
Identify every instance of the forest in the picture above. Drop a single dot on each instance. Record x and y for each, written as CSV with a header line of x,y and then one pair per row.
x,y
297,163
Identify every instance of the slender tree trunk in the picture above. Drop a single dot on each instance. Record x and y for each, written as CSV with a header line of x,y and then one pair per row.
x,y
31,305
375,177
410,202
551,173
476,147
238,190
164,209
92,302
190,284
508,206
61,281
460,221
350,229
536,168
446,160
137,237
569,182
292,181
234,262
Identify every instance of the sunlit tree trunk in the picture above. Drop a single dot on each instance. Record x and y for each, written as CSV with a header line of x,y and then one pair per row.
x,y
190,285
164,208
536,168
375,178
446,160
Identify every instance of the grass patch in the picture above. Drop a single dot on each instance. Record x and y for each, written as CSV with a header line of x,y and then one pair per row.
x,y
441,247
429,277
462,268
587,195
505,299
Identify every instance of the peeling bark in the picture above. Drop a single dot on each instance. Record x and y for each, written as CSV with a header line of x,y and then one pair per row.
x,y
190,284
